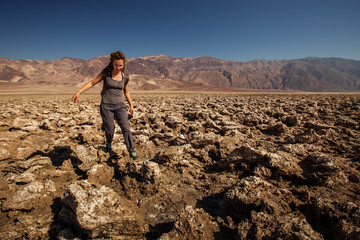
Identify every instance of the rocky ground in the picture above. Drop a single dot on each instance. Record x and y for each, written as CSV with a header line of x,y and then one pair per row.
x,y
211,166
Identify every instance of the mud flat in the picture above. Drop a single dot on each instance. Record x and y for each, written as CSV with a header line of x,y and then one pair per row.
x,y
211,166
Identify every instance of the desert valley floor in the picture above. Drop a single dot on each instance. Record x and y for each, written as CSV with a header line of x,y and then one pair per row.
x,y
211,166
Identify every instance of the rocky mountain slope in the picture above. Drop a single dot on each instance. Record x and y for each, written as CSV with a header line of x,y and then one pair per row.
x,y
163,72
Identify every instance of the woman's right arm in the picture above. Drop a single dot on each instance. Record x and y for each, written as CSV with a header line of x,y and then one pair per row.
x,y
87,86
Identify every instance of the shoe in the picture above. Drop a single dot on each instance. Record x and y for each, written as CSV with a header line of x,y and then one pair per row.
x,y
108,147
133,155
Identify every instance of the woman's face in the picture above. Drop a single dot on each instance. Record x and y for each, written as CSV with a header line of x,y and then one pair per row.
x,y
118,65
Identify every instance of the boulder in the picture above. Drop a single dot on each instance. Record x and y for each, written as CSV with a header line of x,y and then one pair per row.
x,y
284,164
25,124
341,217
100,174
271,226
323,169
276,129
192,224
101,212
267,197
87,155
308,136
30,196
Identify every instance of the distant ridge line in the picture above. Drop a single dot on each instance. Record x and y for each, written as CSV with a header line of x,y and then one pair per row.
x,y
160,72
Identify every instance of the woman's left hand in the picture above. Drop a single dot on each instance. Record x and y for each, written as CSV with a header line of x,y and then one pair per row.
x,y
131,110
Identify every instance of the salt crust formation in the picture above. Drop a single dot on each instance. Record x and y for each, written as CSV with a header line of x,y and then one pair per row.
x,y
211,166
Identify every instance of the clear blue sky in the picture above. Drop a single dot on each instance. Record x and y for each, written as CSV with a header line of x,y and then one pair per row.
x,y
230,30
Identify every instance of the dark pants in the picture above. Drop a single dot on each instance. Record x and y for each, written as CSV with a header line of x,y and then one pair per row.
x,y
109,112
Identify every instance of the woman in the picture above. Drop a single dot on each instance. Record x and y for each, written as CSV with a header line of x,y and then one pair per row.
x,y
112,102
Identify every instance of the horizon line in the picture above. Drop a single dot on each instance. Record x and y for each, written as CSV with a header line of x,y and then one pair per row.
x,y
163,55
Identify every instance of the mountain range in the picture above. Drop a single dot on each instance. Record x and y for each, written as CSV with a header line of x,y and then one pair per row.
x,y
161,72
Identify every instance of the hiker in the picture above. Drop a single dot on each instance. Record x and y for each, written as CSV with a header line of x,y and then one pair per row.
x,y
115,81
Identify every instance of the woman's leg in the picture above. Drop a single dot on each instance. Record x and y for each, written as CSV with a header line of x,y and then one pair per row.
x,y
121,117
108,122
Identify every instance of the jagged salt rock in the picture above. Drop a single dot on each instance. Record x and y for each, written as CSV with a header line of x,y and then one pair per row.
x,y
100,174
101,212
267,197
87,155
29,196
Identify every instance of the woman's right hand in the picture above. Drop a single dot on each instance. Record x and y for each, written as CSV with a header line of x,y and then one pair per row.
x,y
88,85
76,97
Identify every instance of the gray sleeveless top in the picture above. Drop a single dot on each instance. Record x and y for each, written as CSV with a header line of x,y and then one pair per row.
x,y
112,89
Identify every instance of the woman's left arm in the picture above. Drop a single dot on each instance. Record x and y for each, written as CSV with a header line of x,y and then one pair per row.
x,y
128,98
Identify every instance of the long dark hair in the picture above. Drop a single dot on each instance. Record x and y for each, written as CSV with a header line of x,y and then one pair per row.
x,y
115,56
